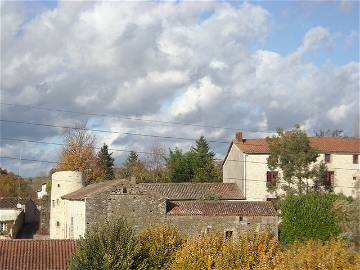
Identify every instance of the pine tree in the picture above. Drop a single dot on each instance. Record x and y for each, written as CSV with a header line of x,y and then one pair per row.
x,y
131,159
107,161
203,161
135,167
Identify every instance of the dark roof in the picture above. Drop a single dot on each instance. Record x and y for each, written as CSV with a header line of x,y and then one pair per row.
x,y
195,191
35,254
11,202
221,208
89,190
323,144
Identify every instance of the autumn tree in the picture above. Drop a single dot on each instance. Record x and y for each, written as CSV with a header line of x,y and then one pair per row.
x,y
135,167
292,153
12,185
107,162
79,154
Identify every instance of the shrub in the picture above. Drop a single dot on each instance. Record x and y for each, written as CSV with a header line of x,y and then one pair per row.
x,y
318,255
110,245
250,251
157,247
199,252
308,216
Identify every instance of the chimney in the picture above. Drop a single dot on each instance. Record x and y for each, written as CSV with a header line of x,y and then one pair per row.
x,y
239,136
132,180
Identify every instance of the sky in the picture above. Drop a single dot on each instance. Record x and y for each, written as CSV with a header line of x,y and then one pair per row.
x,y
218,67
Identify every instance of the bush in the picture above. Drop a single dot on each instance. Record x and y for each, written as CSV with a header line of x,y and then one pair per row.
x,y
199,252
318,255
110,245
157,247
308,216
250,251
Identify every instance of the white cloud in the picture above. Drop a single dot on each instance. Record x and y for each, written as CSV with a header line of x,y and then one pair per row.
x,y
191,62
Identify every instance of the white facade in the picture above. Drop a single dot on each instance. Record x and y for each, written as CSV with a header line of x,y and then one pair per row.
x,y
67,218
42,192
249,172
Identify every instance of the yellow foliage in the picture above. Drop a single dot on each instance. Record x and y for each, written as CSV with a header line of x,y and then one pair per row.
x,y
318,255
199,252
250,251
79,155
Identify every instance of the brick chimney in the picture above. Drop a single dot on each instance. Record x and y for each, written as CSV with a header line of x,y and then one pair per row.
x,y
239,136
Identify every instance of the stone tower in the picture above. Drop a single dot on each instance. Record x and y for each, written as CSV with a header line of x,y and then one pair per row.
x,y
62,183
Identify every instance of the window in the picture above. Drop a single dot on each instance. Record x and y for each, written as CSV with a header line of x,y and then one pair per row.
x,y
57,202
327,158
53,203
271,178
329,178
124,190
3,227
241,219
58,185
57,223
228,234
354,178
355,159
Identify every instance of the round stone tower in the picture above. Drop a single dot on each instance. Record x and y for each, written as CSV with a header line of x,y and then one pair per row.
x,y
62,183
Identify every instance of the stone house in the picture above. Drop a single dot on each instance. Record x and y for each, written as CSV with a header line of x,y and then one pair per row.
x,y
246,165
192,207
14,214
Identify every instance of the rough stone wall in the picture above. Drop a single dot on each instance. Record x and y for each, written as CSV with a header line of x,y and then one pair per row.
x,y
143,209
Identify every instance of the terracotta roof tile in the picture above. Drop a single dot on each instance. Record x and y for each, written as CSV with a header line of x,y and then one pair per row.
x,y
92,189
35,254
324,144
221,208
195,191
11,202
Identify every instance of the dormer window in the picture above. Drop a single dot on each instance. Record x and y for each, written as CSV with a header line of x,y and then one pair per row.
x,y
327,158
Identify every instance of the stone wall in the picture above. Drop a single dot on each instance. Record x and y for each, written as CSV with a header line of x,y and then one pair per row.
x,y
143,209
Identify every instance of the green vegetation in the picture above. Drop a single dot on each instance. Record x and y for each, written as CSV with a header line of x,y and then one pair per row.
x,y
308,216
12,185
292,153
107,162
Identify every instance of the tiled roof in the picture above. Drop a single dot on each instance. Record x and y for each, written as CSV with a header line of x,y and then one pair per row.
x,y
89,190
35,254
221,208
195,191
324,144
11,202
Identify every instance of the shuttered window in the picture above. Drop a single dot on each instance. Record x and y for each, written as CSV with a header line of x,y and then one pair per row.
x,y
329,178
355,159
271,178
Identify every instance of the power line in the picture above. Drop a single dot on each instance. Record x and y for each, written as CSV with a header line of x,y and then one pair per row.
x,y
149,153
230,178
131,118
171,138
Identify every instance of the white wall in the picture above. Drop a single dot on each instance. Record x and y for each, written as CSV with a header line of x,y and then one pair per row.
x,y
63,183
233,168
9,214
74,219
42,192
256,168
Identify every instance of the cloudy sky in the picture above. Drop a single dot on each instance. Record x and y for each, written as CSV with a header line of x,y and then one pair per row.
x,y
216,66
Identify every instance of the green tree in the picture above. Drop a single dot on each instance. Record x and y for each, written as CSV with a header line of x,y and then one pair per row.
x,y
205,169
292,153
180,166
107,246
107,162
308,216
12,185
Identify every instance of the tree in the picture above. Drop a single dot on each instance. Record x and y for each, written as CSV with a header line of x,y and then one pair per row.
x,y
12,185
157,247
205,169
308,216
180,166
292,153
79,154
155,163
106,246
107,162
133,166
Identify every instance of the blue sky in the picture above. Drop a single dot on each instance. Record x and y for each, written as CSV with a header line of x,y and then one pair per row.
x,y
253,66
